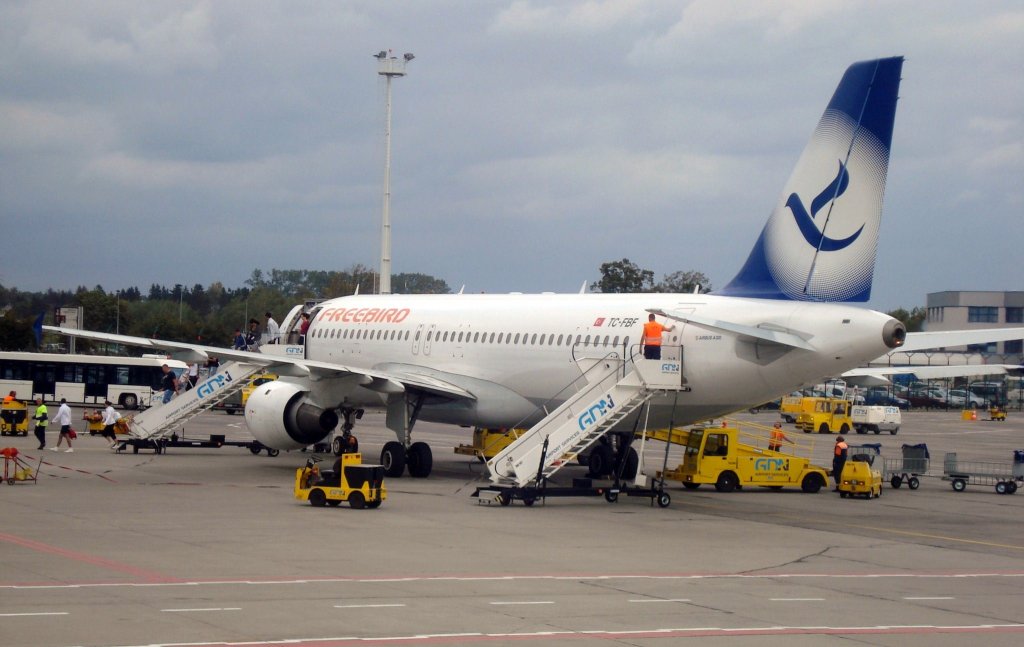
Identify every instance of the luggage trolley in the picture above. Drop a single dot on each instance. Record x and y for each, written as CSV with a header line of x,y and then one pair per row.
x,y
907,469
16,469
1003,477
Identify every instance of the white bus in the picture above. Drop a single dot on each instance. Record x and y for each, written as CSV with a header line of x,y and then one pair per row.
x,y
128,382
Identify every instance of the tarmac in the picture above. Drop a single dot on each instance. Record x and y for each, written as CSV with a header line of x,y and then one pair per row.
x,y
209,547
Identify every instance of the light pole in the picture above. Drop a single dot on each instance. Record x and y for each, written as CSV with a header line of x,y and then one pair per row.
x,y
389,67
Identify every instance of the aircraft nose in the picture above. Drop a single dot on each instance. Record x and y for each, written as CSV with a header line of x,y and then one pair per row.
x,y
894,333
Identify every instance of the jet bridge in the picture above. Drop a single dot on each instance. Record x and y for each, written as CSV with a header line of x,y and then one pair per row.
x,y
607,399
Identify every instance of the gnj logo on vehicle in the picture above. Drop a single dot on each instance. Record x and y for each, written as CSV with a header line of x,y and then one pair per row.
x,y
670,368
771,464
214,384
596,412
293,350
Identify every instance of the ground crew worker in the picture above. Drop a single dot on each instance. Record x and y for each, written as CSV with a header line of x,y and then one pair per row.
x,y
839,460
778,437
652,337
10,397
41,420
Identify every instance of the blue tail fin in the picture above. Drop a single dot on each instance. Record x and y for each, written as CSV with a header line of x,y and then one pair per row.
x,y
819,243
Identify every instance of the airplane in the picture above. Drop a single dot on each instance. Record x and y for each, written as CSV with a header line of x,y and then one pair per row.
x,y
503,361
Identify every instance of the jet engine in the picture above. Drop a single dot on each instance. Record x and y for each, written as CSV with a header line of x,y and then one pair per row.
x,y
281,416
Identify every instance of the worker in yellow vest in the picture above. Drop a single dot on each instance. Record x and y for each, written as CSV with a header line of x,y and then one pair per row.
x,y
41,419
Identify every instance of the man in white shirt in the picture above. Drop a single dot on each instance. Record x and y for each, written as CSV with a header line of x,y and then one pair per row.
x,y
193,375
273,330
110,418
63,418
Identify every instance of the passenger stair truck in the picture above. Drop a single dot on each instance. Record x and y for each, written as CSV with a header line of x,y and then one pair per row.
x,y
521,470
149,428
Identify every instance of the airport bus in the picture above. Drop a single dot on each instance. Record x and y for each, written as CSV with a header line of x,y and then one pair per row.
x,y
128,382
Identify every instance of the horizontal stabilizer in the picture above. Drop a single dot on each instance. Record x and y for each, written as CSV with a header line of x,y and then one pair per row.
x,y
951,338
780,337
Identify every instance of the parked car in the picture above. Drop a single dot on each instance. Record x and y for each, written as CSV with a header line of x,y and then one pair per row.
x,y
928,398
881,397
960,399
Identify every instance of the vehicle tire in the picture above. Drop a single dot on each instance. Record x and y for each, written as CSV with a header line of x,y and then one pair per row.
x,y
774,487
357,500
373,505
254,449
1011,487
812,483
130,401
959,485
528,501
1001,487
392,457
861,430
419,460
823,429
664,500
317,498
727,482
844,429
273,452
691,486
788,419
230,412
842,495
600,461
505,499
896,482
632,461
10,481
914,483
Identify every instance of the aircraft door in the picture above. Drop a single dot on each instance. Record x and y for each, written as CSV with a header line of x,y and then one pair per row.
x,y
426,342
416,339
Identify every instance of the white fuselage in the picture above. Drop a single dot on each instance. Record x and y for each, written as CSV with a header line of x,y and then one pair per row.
x,y
515,353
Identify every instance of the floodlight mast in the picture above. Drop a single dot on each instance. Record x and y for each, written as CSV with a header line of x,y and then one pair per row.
x,y
389,67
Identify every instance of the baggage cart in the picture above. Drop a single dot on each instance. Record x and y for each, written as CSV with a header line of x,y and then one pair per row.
x,y
913,464
17,469
1005,478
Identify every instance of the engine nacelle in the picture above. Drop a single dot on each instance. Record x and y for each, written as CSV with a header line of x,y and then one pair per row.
x,y
280,415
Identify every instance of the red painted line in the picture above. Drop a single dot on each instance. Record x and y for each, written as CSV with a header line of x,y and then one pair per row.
x,y
70,469
148,576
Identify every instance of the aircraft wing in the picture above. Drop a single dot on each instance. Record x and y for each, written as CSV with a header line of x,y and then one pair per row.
x,y
383,381
945,339
931,372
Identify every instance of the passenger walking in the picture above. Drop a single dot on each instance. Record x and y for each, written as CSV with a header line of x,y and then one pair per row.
x,y
839,460
252,338
778,437
110,418
273,330
169,382
193,375
63,418
41,420
652,337
212,366
239,343
303,327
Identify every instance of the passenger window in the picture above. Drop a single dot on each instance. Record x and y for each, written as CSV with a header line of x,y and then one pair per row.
x,y
542,339
517,338
492,339
476,337
615,342
534,340
560,339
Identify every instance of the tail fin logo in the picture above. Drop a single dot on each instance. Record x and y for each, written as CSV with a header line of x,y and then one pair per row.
x,y
815,237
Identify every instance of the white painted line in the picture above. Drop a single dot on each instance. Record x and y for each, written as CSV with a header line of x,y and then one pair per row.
x,y
535,602
209,609
797,599
365,606
930,598
41,613
671,600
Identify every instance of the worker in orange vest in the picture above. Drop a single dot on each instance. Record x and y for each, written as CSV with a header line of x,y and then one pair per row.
x,y
652,337
839,460
775,443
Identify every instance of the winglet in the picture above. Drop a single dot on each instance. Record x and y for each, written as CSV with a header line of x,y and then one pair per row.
x,y
819,243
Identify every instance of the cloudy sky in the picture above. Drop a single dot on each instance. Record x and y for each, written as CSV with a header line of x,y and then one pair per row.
x,y
191,142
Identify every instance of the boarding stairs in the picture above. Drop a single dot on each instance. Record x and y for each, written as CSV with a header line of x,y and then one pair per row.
x,y
161,419
606,400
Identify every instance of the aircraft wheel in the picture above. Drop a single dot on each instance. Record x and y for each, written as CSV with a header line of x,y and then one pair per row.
x,y
914,483
632,464
959,485
392,457
727,482
664,500
600,461
896,482
338,446
317,498
420,460
357,500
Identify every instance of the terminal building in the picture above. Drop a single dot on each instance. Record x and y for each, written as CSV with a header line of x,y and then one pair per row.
x,y
963,310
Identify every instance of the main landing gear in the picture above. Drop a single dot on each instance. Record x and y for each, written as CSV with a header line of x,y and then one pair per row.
x,y
418,458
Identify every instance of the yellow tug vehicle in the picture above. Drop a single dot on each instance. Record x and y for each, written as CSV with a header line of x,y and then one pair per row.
x,y
361,485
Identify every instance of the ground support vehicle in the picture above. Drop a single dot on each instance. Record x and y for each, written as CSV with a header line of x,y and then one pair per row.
x,y
14,419
730,459
361,485
174,441
825,415
17,469
792,406
488,442
876,419
997,414
909,468
860,477
1004,478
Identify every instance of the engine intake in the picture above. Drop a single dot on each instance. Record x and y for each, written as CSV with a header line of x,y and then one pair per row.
x,y
281,416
